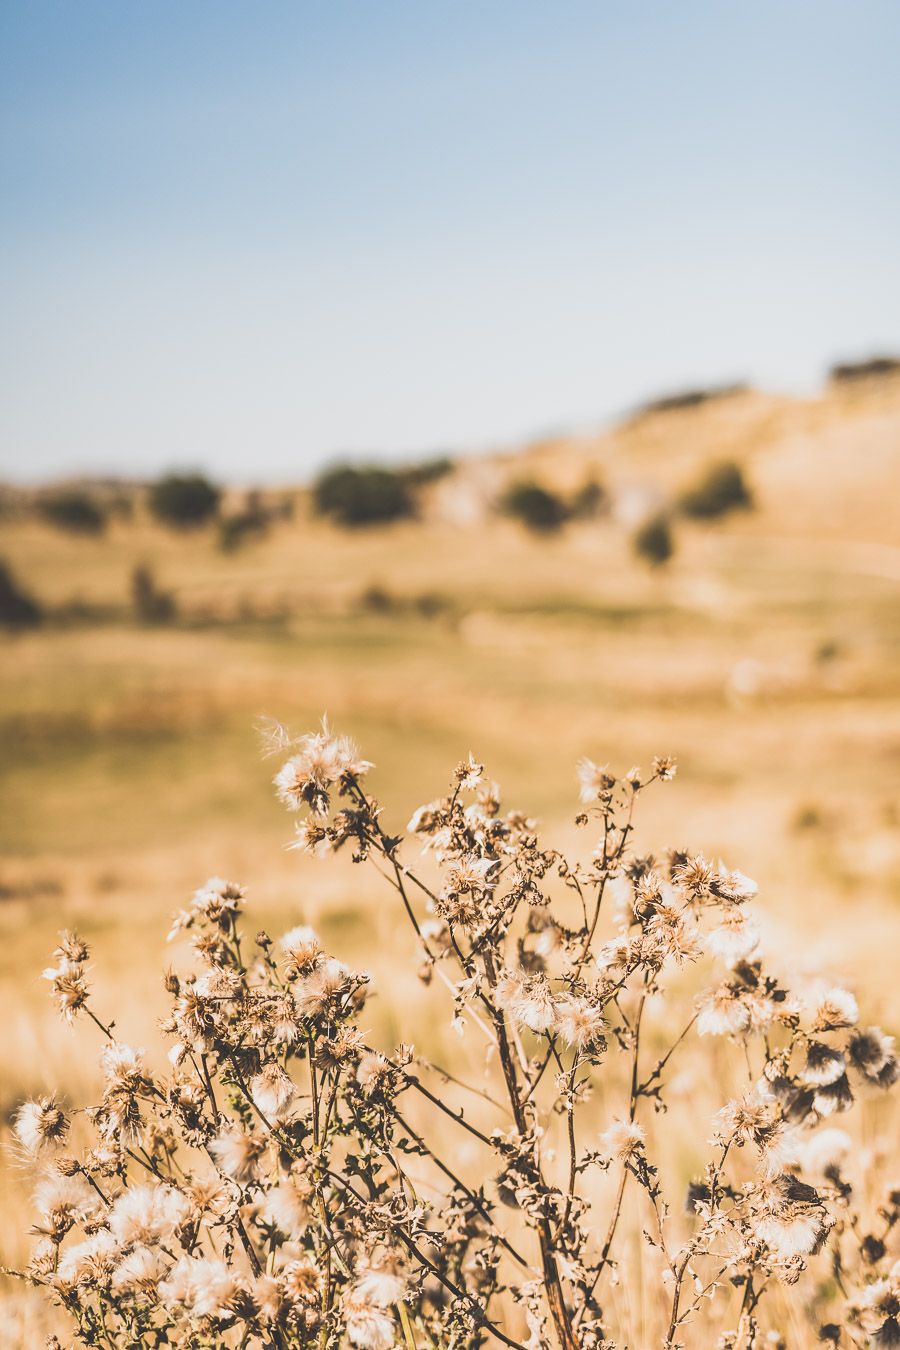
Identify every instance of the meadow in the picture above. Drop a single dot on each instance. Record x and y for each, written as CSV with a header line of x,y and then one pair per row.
x,y
764,656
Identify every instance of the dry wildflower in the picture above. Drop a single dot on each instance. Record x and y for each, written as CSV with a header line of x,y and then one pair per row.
x,y
825,1152
290,1183
268,1297
622,1139
469,774
148,1215
529,1000
470,874
345,1047
40,1124
735,939
825,1064
780,1150
595,781
723,1012
319,992
207,1196
323,761
141,1271
369,1326
794,1221
877,1310
273,1090
62,1201
288,1206
204,1287
380,1279
374,1073
426,819
300,1281
309,837
835,1010
617,956
733,886
90,1262
696,876
218,900
237,1153
71,948
69,986
834,1096
665,767
580,1023
871,1053
283,1023
302,948
750,1120
791,1235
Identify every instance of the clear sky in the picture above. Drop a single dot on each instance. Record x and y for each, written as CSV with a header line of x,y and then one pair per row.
x,y
250,236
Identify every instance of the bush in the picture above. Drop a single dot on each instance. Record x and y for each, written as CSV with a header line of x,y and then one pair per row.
x,y
239,527
184,500
653,541
848,371
17,608
534,506
608,1177
428,471
690,398
377,599
589,501
77,512
719,489
151,605
366,495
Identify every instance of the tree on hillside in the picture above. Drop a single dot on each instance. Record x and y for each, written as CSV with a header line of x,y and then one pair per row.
x,y
367,495
535,506
184,500
653,541
720,488
74,510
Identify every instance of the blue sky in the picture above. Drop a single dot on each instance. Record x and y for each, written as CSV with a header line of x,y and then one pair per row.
x,y
253,236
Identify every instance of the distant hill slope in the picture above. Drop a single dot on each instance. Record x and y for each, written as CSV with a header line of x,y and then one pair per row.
x,y
828,466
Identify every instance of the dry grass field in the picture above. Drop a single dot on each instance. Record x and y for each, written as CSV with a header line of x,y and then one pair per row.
x,y
765,656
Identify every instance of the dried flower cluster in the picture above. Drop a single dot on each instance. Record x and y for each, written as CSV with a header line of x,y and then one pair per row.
x,y
287,1183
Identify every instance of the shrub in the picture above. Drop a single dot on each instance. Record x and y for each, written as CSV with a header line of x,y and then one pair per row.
x,y
588,501
366,495
690,398
653,541
377,599
18,609
78,512
432,604
239,527
184,500
428,471
151,605
534,506
720,488
288,1181
847,371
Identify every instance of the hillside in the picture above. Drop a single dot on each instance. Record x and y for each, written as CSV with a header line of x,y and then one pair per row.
x,y
821,468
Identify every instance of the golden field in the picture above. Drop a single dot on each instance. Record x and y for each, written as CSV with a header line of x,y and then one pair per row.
x,y
764,656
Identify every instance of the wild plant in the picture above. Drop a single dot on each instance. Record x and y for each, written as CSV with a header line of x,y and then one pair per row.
x,y
289,1183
